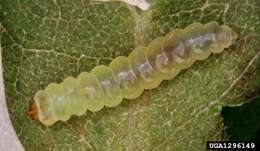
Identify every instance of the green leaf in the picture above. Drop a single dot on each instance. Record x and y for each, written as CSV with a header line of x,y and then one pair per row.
x,y
46,41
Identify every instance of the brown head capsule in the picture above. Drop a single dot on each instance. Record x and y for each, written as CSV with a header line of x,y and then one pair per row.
x,y
33,112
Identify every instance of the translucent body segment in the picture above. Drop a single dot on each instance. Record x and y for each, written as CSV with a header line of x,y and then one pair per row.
x,y
198,39
143,69
126,78
58,101
108,84
76,105
90,92
226,36
159,59
177,51
44,107
215,46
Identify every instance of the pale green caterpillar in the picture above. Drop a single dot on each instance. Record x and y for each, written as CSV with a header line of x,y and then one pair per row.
x,y
127,77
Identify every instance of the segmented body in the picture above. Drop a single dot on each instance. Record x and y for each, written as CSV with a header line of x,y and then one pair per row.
x,y
127,77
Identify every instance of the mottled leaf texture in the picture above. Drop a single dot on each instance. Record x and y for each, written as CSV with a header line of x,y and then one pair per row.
x,y
45,41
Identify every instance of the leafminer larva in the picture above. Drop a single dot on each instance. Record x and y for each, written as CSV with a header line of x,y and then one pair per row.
x,y
127,77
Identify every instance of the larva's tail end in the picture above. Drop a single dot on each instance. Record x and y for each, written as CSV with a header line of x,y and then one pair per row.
x,y
33,112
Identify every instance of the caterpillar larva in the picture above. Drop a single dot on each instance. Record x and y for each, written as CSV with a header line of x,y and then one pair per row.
x,y
127,77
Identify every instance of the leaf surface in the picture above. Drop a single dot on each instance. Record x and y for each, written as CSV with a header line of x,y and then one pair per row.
x,y
46,41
